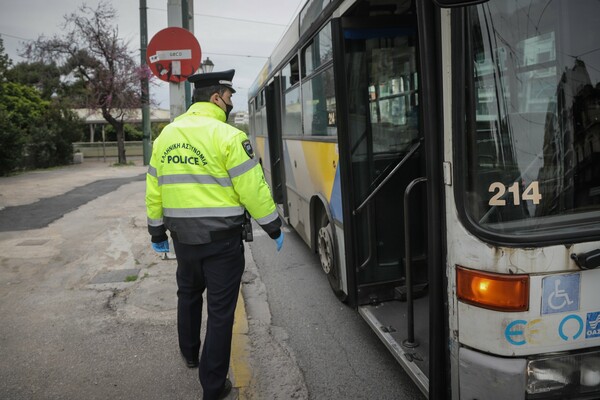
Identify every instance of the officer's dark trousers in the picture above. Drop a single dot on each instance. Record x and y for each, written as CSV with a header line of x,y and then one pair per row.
x,y
216,267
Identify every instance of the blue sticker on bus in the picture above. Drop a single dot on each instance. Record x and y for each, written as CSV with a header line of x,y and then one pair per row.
x,y
570,328
560,293
515,332
592,325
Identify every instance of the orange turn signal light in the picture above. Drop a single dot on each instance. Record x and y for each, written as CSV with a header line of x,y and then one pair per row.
x,y
500,292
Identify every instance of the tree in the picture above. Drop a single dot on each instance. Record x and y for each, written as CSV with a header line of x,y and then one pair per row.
x,y
5,61
89,50
36,129
34,133
44,77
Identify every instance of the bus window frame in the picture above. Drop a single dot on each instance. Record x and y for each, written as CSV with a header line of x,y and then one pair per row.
x,y
320,70
309,44
319,73
252,112
288,89
464,103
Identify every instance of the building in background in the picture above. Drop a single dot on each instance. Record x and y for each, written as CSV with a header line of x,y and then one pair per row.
x,y
241,118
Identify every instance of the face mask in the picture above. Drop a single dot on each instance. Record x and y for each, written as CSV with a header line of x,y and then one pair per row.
x,y
228,108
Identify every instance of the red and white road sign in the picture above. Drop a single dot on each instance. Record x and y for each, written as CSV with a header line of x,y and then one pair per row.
x,y
173,54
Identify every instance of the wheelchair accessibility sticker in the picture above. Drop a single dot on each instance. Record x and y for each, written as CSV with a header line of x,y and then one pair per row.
x,y
560,293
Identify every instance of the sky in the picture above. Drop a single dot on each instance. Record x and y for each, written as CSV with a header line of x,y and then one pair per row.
x,y
238,34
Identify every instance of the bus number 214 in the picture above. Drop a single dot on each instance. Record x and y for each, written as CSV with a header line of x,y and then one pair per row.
x,y
532,192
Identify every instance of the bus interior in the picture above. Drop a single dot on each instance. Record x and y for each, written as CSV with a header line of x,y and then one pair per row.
x,y
386,176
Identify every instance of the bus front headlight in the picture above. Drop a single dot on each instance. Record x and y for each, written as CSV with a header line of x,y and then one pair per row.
x,y
590,372
568,374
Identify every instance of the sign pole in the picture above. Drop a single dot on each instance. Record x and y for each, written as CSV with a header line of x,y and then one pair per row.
x,y
145,97
187,16
176,90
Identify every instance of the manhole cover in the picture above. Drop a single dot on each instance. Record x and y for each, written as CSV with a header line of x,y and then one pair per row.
x,y
33,242
119,275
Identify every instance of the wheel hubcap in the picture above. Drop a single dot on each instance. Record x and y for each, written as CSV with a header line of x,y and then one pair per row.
x,y
325,250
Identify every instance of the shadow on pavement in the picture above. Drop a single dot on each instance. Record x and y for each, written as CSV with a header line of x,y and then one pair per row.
x,y
45,211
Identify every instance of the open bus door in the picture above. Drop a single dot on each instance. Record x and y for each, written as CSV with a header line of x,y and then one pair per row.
x,y
386,205
274,130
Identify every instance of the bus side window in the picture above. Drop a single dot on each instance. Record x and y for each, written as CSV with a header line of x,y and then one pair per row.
x,y
318,88
290,74
318,109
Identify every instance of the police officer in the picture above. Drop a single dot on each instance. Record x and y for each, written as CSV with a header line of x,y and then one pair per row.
x,y
202,178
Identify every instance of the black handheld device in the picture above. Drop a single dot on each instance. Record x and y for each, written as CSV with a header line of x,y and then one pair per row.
x,y
247,228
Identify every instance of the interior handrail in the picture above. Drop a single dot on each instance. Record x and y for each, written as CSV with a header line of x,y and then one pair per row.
x,y
410,307
411,151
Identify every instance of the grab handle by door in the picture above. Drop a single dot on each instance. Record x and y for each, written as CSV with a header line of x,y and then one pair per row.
x,y
369,235
410,323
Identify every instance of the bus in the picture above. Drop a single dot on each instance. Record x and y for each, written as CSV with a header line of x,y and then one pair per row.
x,y
442,158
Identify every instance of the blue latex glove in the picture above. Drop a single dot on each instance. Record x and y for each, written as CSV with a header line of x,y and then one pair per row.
x,y
162,247
279,241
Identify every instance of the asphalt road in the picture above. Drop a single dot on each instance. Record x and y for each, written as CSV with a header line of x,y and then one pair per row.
x,y
337,353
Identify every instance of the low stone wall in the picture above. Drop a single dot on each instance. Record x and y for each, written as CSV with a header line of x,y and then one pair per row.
x,y
107,149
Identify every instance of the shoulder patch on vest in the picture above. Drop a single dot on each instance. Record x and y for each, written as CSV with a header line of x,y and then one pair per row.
x,y
248,148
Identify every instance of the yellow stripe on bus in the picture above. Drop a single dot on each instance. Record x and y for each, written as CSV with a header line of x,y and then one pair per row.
x,y
321,160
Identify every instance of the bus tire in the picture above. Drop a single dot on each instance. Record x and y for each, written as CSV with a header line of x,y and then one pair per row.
x,y
328,257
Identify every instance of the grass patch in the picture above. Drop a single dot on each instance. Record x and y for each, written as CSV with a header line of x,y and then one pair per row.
x,y
131,278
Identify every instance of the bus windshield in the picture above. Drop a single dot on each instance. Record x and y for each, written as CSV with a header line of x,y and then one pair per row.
x,y
533,146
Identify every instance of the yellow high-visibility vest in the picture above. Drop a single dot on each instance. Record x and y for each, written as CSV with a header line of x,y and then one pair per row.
x,y
202,176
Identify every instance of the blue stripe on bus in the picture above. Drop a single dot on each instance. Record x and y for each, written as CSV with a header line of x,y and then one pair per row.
x,y
335,202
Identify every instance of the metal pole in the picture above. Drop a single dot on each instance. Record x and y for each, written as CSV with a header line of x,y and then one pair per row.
x,y
176,90
185,24
410,323
103,144
145,97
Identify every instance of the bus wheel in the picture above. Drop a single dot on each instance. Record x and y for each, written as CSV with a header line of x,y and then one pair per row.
x,y
327,256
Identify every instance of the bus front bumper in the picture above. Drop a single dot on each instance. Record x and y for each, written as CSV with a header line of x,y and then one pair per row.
x,y
565,376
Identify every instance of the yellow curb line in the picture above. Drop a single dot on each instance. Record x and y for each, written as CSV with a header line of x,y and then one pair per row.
x,y
239,350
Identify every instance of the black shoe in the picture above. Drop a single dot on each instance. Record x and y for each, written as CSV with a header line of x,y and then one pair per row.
x,y
193,363
226,389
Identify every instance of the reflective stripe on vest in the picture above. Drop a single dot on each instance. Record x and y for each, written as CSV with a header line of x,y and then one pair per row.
x,y
203,212
242,168
155,222
193,178
269,218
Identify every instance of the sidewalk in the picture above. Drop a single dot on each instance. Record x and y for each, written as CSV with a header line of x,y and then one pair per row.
x,y
88,310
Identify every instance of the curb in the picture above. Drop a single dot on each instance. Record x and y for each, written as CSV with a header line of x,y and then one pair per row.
x,y
240,367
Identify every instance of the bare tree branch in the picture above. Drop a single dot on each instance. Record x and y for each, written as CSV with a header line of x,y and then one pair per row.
x,y
91,51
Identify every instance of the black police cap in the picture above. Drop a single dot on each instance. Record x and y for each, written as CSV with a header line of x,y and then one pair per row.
x,y
223,78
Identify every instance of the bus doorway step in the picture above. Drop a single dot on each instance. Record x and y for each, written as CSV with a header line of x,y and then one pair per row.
x,y
419,290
